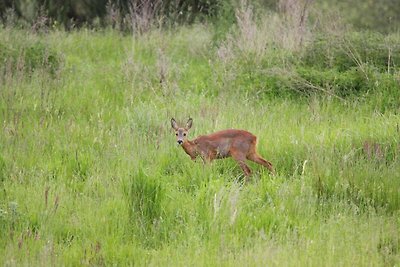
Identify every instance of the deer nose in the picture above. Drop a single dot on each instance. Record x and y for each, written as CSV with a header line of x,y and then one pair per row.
x,y
180,142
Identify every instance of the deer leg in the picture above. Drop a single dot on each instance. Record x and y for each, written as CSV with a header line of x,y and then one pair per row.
x,y
206,158
242,164
259,160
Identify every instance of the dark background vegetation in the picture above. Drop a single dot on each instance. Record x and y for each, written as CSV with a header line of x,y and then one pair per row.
x,y
382,16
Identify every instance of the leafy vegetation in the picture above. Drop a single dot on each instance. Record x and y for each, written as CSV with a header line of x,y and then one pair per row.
x,y
90,173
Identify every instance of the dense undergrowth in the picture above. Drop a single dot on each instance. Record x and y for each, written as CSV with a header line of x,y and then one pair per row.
x,y
90,173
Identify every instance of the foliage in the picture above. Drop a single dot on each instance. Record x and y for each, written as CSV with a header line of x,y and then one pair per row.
x,y
90,173
368,14
363,15
354,49
77,13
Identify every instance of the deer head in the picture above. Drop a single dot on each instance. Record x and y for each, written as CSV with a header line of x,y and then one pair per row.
x,y
180,132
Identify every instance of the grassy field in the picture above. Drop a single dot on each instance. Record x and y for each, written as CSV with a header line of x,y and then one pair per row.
x,y
90,173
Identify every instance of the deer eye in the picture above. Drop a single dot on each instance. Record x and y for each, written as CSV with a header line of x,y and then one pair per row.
x,y
184,134
176,134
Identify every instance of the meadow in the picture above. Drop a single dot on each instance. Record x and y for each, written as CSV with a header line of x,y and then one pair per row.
x,y
90,173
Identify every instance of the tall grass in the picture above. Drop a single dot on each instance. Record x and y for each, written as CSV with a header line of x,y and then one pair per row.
x,y
90,173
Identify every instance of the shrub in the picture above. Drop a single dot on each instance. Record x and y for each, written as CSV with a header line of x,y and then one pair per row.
x,y
353,49
339,83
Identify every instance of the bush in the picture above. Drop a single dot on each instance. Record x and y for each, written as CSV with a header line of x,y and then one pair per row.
x,y
353,49
339,83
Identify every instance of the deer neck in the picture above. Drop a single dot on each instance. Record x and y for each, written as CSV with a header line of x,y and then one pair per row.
x,y
190,148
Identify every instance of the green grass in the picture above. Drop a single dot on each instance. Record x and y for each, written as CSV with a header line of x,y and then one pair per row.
x,y
90,173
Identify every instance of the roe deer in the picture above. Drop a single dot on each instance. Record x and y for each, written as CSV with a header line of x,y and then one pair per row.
x,y
238,144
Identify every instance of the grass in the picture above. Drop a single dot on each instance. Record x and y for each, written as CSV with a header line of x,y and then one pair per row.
x,y
91,175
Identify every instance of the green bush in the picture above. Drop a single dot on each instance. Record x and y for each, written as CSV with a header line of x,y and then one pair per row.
x,y
367,14
352,50
354,64
353,80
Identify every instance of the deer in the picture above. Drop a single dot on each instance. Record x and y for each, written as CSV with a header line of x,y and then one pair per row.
x,y
238,144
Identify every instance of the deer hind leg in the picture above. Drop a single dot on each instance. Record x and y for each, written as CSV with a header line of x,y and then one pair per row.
x,y
259,160
241,161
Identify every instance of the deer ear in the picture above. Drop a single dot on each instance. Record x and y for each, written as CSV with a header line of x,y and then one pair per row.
x,y
189,124
174,124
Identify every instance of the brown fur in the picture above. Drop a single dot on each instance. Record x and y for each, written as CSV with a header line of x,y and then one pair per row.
x,y
238,144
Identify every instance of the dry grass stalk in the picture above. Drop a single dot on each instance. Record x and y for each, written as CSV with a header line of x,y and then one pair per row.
x,y
113,17
256,36
296,15
143,14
